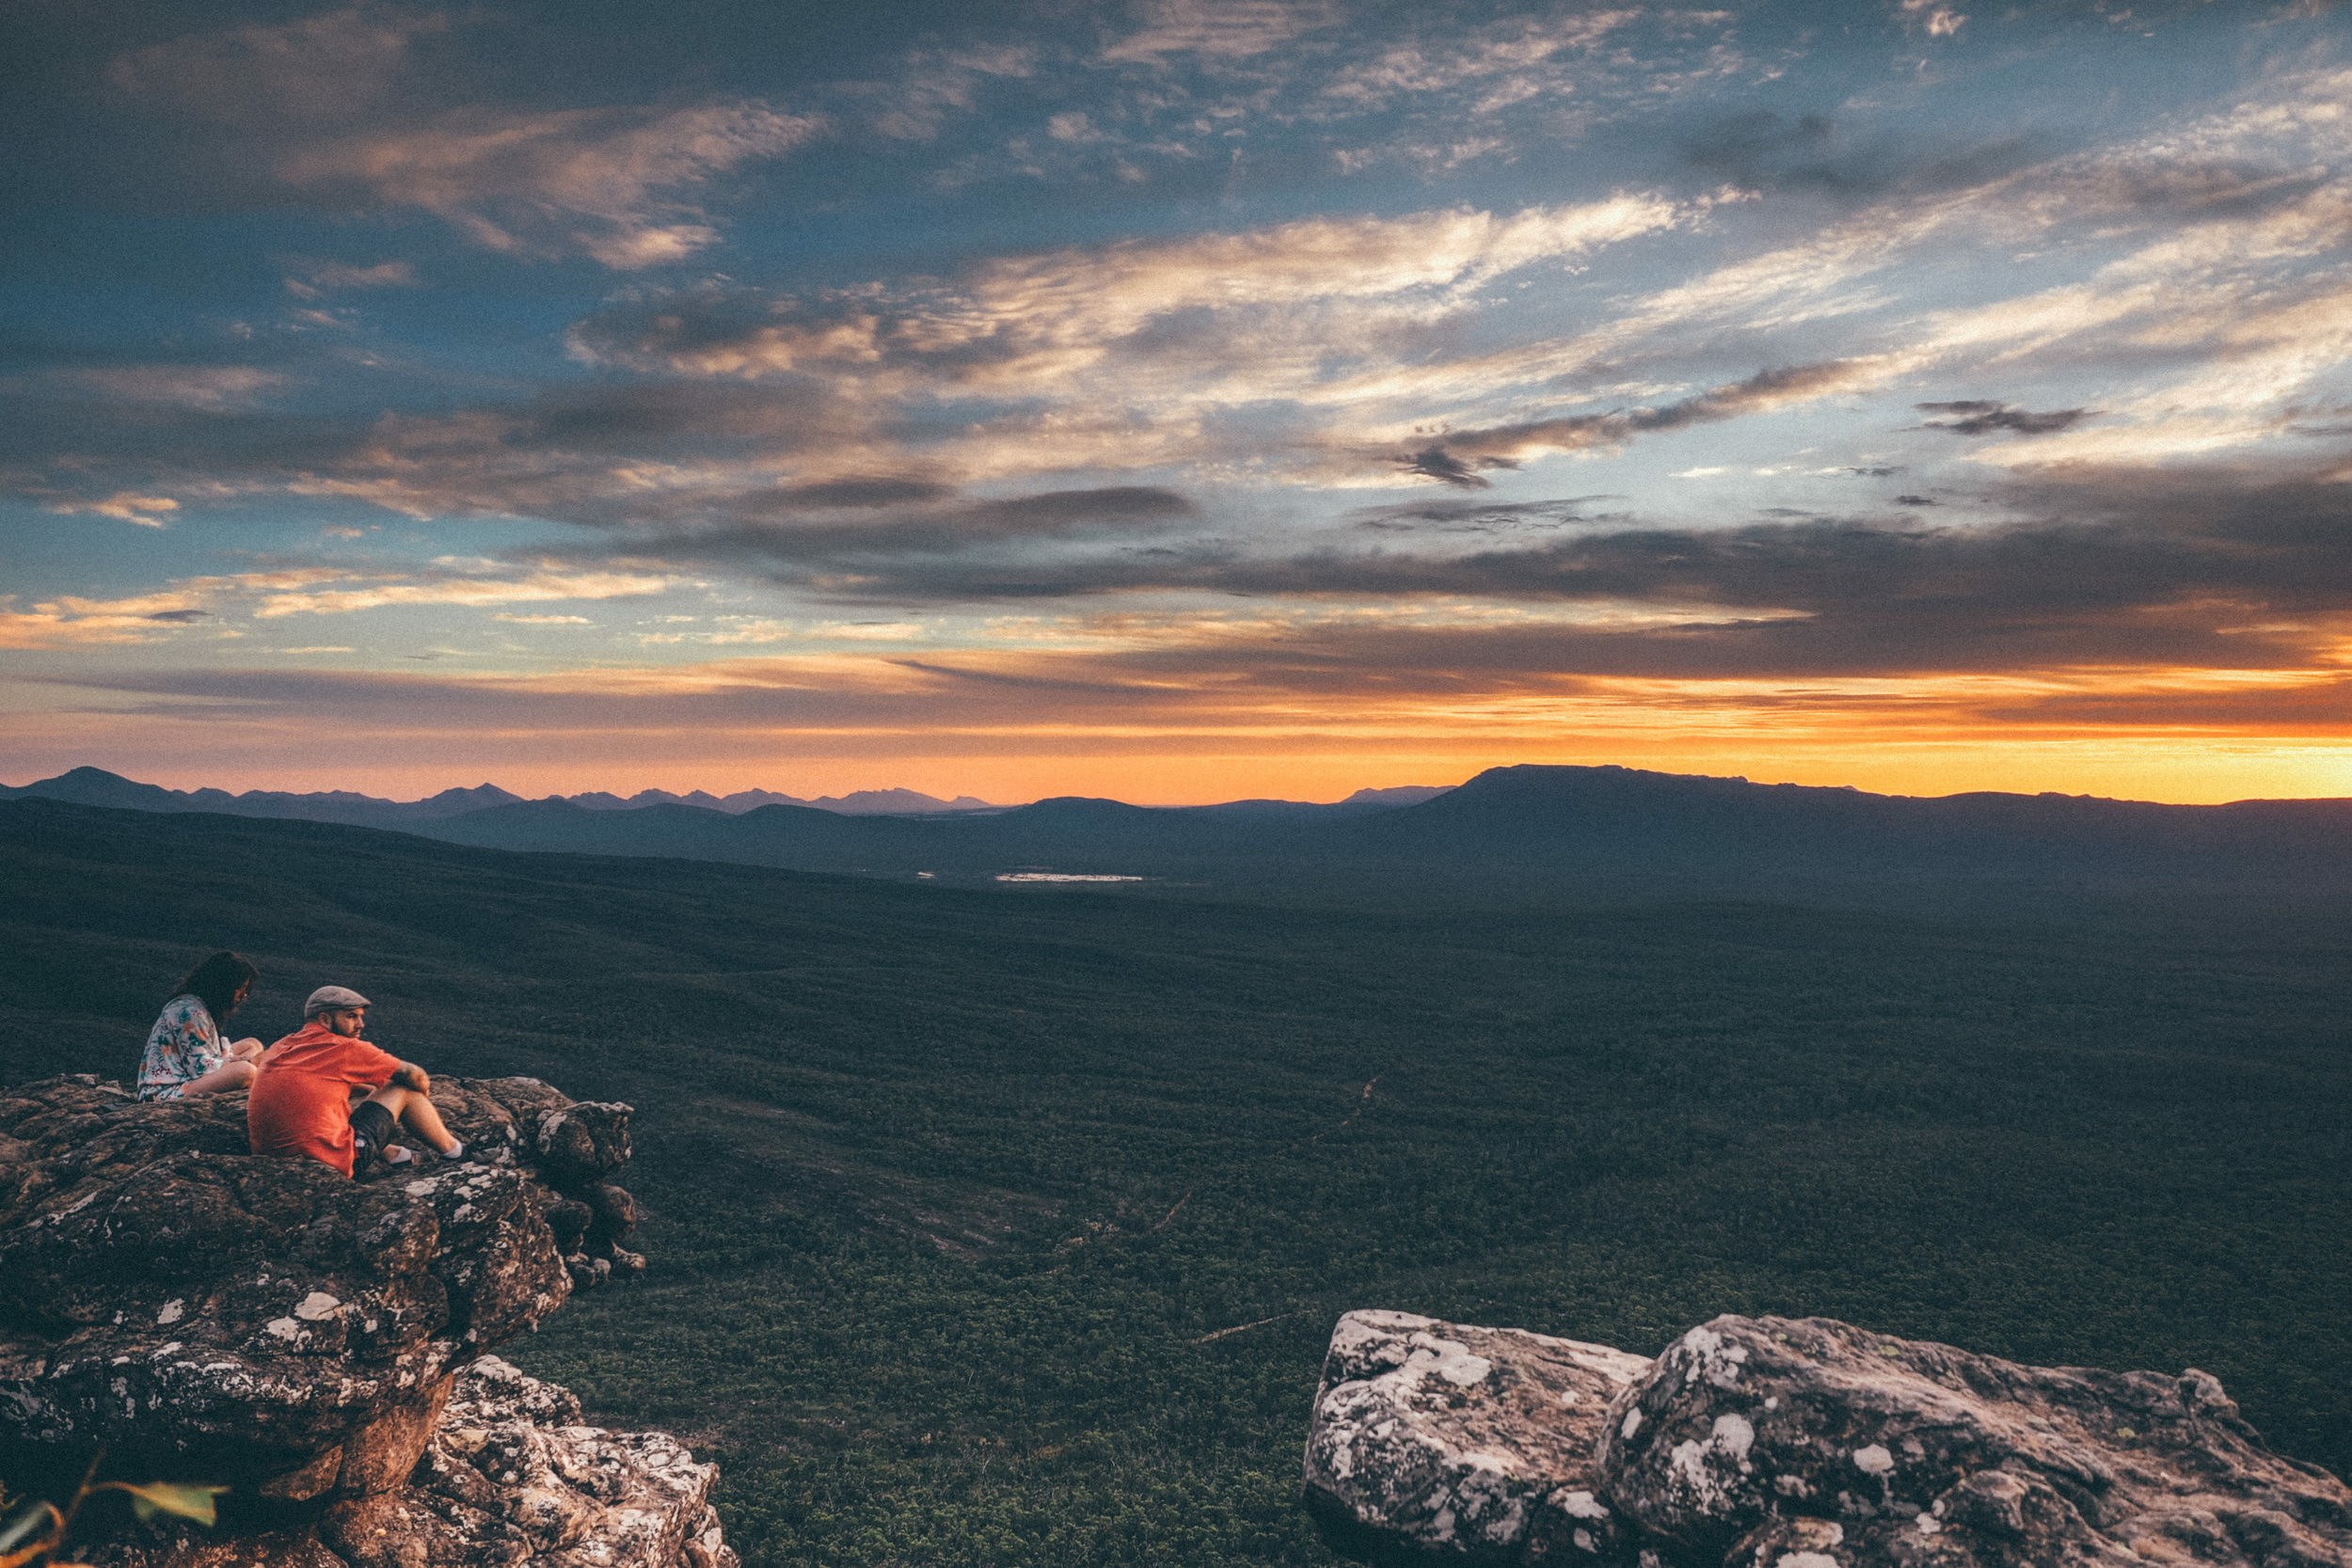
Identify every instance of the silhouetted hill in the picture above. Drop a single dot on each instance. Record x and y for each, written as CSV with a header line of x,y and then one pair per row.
x,y
95,787
1544,833
1621,819
1399,795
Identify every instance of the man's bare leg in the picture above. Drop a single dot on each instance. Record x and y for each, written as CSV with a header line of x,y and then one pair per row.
x,y
416,1113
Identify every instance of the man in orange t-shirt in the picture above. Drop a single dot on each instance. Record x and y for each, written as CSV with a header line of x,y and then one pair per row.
x,y
300,1107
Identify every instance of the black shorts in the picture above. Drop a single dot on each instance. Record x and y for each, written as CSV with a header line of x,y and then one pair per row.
x,y
373,1124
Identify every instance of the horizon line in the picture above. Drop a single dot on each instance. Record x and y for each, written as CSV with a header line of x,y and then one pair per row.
x,y
679,797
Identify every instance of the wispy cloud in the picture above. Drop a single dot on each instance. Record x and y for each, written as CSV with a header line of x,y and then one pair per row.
x,y
326,67
935,85
1503,60
213,388
217,602
145,511
1454,456
1038,316
454,588
611,183
351,107
69,622
1133,346
329,277
1219,29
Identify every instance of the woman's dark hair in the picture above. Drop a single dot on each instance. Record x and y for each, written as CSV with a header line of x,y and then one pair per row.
x,y
215,983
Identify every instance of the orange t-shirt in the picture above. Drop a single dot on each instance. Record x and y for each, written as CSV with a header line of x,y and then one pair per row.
x,y
301,1104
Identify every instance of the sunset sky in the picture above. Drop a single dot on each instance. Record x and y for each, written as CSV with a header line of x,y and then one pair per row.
x,y
1179,400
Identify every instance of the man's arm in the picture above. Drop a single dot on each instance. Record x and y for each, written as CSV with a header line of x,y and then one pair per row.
x,y
408,1075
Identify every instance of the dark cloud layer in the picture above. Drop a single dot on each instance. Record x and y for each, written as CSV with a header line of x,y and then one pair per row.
x,y
1977,416
864,491
1442,466
1453,457
2120,567
1813,153
777,535
1436,516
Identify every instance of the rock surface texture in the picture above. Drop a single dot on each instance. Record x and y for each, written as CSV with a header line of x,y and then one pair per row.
x,y
318,1344
1779,1443
1472,1443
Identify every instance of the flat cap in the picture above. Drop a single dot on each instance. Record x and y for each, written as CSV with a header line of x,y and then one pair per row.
x,y
327,999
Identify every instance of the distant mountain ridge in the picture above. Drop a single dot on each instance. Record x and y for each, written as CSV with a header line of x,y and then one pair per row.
x,y
87,786
1533,833
95,787
1528,833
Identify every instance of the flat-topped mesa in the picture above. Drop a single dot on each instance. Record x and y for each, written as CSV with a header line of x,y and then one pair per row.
x,y
206,1315
1781,1443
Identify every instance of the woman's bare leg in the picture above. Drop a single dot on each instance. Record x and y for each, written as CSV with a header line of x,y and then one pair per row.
x,y
416,1113
228,1075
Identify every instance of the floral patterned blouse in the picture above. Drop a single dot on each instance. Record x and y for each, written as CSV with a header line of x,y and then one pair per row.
x,y
184,1045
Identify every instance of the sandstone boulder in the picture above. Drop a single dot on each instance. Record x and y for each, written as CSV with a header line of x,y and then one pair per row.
x,y
1777,1443
1472,1444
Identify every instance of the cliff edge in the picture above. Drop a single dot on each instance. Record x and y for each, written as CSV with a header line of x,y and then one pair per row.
x,y
319,1345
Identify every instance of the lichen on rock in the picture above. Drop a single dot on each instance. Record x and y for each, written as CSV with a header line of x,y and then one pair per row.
x,y
1461,1444
513,1475
271,1326
1923,1452
1779,1443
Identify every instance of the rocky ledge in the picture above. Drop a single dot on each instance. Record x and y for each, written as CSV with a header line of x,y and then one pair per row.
x,y
320,1345
1782,1443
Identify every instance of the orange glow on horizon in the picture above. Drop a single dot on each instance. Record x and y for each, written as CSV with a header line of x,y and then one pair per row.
x,y
1013,728
2134,768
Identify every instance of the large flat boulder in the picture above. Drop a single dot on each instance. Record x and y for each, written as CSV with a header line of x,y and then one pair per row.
x,y
1781,1443
1440,1442
1753,1440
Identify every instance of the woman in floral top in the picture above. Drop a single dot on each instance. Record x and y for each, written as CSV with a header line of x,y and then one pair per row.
x,y
185,1054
